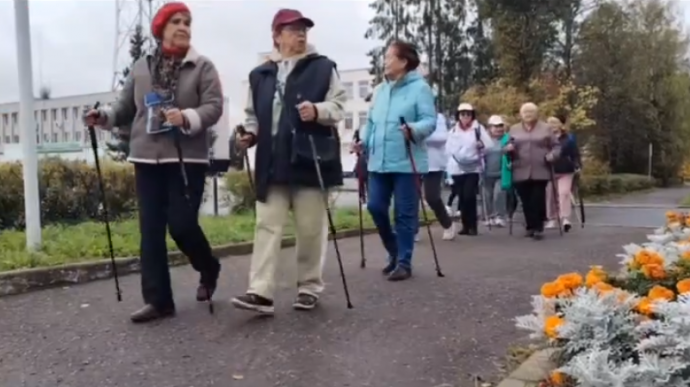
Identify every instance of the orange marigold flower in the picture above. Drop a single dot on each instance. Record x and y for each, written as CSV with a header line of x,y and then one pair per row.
x,y
683,286
645,306
654,271
557,378
595,275
570,281
672,215
646,257
553,289
551,326
603,288
659,292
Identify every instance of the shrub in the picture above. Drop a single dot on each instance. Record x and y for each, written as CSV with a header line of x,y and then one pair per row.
x,y
628,327
595,185
241,192
68,192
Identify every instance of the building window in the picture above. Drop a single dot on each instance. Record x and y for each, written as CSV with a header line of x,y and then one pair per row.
x,y
53,114
15,139
14,119
75,112
348,89
45,137
362,119
44,115
363,87
64,114
77,136
65,136
5,120
7,139
348,120
55,137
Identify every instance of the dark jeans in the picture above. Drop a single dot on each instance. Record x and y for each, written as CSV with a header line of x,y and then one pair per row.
x,y
466,188
532,194
162,206
432,193
402,188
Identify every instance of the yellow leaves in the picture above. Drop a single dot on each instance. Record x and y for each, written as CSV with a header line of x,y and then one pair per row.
x,y
551,96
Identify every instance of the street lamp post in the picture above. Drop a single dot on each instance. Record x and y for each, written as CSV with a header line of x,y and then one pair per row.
x,y
27,126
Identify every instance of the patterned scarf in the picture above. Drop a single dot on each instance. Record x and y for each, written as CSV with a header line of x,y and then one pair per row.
x,y
165,71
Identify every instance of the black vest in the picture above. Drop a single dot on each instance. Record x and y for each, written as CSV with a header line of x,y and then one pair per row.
x,y
275,155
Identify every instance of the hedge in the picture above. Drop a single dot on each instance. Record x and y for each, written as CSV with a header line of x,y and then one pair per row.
x,y
68,192
613,184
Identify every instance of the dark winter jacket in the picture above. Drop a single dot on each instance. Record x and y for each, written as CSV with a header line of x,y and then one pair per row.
x,y
283,140
569,160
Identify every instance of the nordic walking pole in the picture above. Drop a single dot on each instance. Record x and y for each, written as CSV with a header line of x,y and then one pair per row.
x,y
408,145
331,224
185,181
362,199
579,198
106,217
484,205
512,195
240,129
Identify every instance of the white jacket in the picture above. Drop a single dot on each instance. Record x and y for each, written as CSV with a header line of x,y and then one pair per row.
x,y
461,149
436,145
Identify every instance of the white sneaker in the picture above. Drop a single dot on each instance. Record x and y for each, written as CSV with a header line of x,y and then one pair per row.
x,y
498,222
566,225
457,213
449,211
417,237
449,233
550,224
488,223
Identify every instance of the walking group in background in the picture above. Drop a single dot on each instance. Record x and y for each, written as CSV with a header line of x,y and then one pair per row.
x,y
295,102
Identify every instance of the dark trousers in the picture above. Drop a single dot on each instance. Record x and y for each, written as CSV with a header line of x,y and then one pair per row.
x,y
466,188
432,194
162,206
532,194
402,188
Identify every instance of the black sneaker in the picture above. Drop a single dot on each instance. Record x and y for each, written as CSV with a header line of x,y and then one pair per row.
x,y
538,235
305,302
254,303
400,274
389,268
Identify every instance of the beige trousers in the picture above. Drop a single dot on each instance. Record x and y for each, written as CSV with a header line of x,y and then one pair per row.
x,y
309,216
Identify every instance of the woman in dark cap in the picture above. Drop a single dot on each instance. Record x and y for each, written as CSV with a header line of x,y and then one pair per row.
x,y
170,100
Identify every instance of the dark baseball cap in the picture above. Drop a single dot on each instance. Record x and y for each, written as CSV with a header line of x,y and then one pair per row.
x,y
288,16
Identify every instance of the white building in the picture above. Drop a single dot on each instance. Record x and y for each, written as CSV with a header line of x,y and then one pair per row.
x,y
60,130
59,127
358,85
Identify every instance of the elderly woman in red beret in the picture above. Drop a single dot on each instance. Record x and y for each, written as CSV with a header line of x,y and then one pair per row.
x,y
170,100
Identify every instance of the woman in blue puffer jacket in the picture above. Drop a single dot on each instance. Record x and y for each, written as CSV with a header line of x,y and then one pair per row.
x,y
405,94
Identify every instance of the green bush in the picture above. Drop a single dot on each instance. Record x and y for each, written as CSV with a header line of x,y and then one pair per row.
x,y
596,185
241,192
68,191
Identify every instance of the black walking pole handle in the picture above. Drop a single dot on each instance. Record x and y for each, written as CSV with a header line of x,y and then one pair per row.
x,y
92,130
409,138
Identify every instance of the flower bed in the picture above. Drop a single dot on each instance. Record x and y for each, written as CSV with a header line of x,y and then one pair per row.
x,y
629,328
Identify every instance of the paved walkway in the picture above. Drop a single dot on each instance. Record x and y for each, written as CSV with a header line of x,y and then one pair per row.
x,y
428,331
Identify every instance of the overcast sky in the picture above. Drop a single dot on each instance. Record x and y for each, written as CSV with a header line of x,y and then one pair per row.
x,y
73,41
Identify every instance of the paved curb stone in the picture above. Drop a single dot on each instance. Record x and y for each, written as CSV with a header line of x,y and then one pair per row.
x,y
535,369
26,280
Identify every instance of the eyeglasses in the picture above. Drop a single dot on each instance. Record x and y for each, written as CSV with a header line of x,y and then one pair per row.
x,y
296,27
465,113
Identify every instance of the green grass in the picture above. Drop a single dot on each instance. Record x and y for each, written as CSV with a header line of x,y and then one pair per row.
x,y
87,241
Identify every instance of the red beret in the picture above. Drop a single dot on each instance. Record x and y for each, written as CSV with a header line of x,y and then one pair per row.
x,y
163,15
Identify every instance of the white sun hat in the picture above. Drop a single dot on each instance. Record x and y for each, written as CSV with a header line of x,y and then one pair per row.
x,y
465,107
496,120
